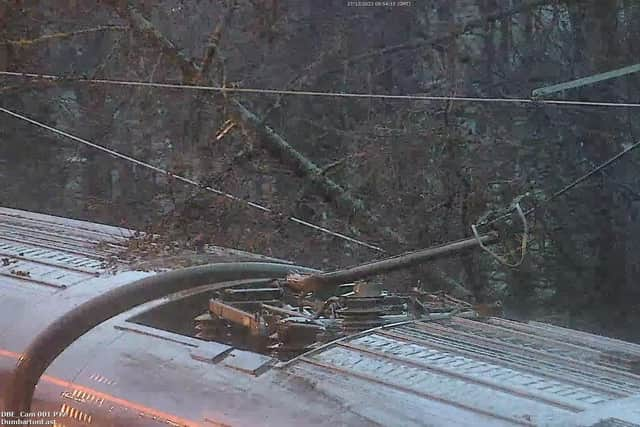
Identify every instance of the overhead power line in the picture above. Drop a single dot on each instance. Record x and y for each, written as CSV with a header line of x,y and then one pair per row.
x,y
224,89
515,205
186,180
589,174
506,212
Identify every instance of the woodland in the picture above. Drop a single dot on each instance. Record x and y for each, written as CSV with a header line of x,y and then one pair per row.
x,y
399,173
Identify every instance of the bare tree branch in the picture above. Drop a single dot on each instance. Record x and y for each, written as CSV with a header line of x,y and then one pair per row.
x,y
275,142
456,32
279,145
62,35
211,51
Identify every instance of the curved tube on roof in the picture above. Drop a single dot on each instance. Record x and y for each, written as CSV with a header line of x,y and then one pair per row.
x,y
67,329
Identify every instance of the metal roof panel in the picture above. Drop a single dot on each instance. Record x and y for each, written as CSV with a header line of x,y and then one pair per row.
x,y
502,371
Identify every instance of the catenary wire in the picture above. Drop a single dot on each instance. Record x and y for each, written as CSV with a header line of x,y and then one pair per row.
x,y
569,186
184,179
323,94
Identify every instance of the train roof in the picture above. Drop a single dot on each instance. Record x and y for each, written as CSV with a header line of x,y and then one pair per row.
x,y
445,370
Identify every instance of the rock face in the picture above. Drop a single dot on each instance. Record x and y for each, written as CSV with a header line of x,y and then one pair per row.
x,y
426,170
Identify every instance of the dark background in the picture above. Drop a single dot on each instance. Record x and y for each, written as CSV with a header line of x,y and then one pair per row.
x,y
426,170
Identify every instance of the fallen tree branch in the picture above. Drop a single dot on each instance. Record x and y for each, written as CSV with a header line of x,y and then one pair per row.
x,y
191,71
276,143
210,58
282,148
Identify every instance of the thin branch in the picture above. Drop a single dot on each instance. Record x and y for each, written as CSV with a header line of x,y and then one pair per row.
x,y
190,69
276,143
103,64
23,87
62,35
276,103
155,67
211,51
334,165
300,77
457,32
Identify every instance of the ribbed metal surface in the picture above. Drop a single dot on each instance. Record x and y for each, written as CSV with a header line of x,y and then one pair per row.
x,y
433,385
492,375
50,257
543,360
54,252
588,352
82,229
605,344
502,370
70,236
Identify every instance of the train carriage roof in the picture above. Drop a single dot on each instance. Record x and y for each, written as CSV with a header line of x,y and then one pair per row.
x,y
438,371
